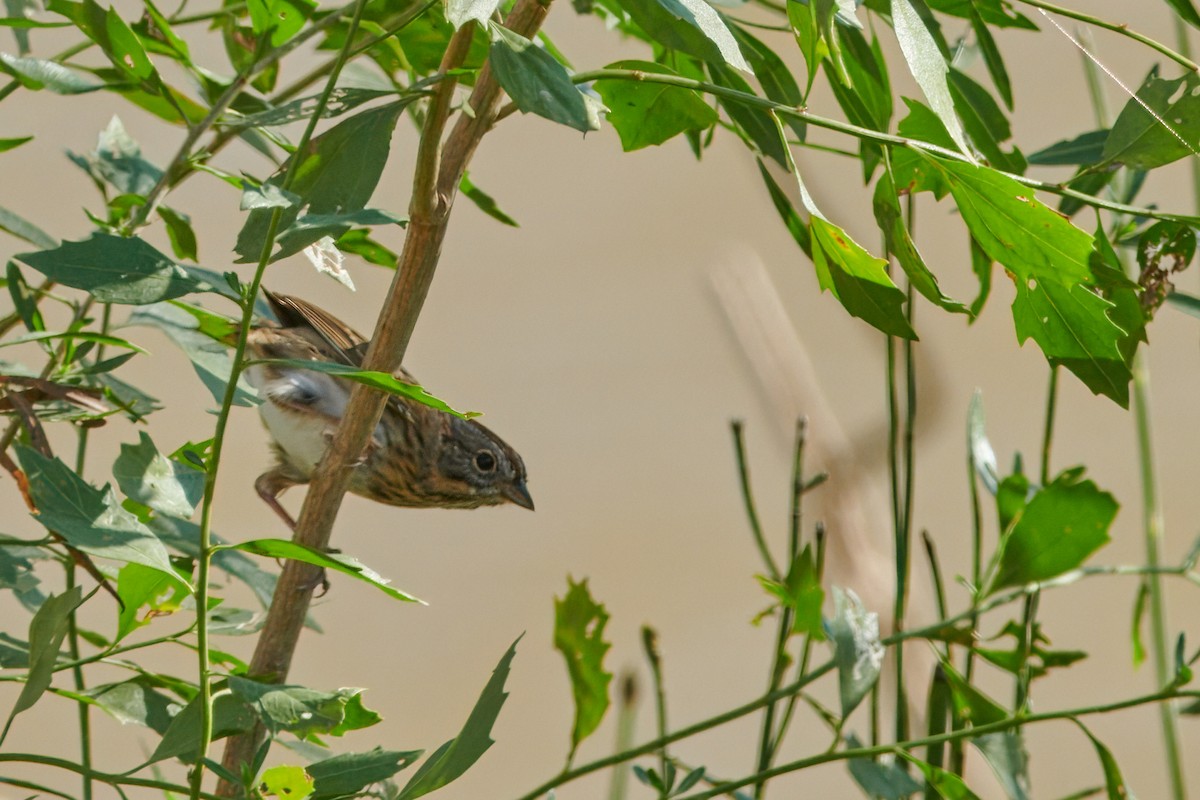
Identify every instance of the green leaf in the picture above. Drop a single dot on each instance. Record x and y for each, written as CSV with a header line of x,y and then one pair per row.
x,y
1064,523
295,709
114,269
291,782
757,126
336,175
1005,754
947,785
774,76
38,73
349,774
1185,302
1050,262
1114,782
184,536
538,84
339,562
985,123
117,161
867,98
47,630
140,586
81,336
482,200
858,279
900,244
992,57
281,19
231,715
89,519
311,228
376,380
1139,617
210,359
858,652
1086,148
646,114
880,779
341,100
179,231
23,229
801,592
787,211
1035,658
928,67
1187,10
456,756
691,26
971,705
135,701
152,479
458,12
1154,128
359,243
579,635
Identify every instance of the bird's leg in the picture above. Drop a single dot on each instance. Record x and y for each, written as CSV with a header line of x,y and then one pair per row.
x,y
269,486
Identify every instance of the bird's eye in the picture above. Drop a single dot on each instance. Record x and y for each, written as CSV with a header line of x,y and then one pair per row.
x,y
485,461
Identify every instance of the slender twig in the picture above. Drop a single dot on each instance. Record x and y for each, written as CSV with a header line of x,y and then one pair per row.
x,y
769,738
866,134
969,733
935,630
650,648
1116,27
739,449
83,709
626,717
109,778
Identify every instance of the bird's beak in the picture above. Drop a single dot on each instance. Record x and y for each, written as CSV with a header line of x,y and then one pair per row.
x,y
517,493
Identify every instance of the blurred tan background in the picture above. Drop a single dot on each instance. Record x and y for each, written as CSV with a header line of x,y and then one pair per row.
x,y
594,342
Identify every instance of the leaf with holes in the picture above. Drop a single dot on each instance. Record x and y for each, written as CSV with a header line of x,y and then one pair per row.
x,y
1158,132
579,635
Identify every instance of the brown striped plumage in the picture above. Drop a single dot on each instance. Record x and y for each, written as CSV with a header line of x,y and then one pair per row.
x,y
417,457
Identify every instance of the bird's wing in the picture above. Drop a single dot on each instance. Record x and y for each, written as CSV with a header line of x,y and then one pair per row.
x,y
348,343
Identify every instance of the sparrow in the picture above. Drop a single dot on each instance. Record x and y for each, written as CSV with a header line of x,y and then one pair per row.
x,y
418,456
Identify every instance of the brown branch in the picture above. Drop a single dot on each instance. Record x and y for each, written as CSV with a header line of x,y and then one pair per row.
x,y
435,185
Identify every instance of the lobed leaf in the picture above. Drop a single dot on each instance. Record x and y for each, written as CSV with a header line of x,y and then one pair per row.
x,y
349,774
579,635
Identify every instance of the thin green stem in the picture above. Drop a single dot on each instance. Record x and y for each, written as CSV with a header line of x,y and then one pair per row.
x,y
770,738
806,648
83,710
1048,430
950,736
204,558
626,717
739,445
650,646
112,779
925,632
1028,631
566,776
1152,520
866,134
1116,27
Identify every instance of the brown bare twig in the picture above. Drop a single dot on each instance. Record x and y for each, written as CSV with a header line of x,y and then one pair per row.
x,y
435,186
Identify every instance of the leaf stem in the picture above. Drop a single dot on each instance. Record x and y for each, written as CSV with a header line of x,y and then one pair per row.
x,y
83,709
868,135
1116,27
650,647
